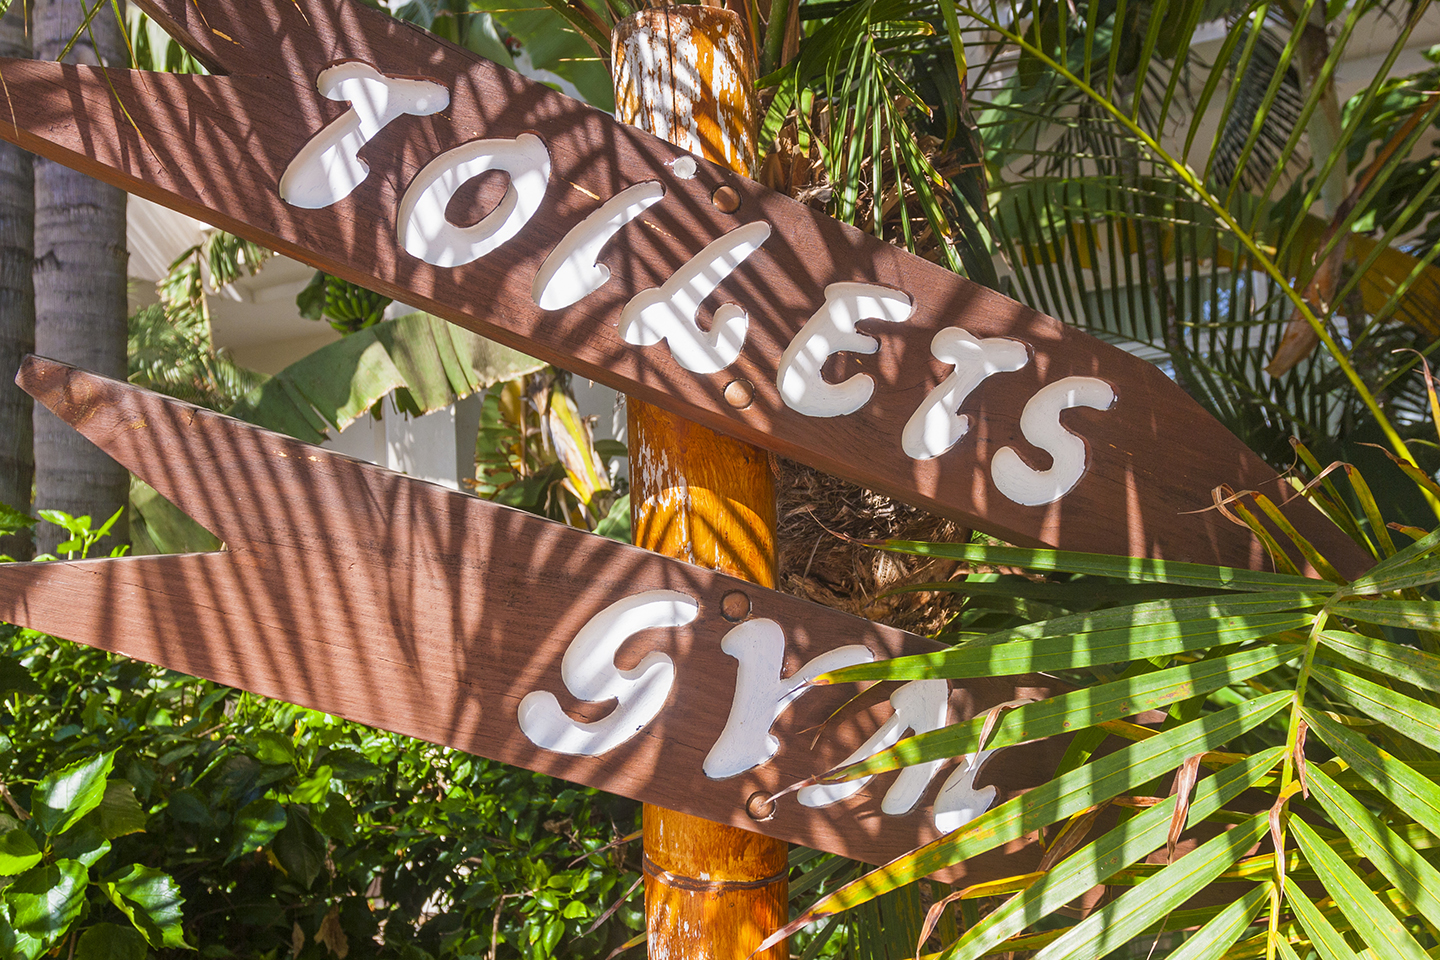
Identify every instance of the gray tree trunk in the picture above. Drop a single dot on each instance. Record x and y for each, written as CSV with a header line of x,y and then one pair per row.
x,y
17,303
80,290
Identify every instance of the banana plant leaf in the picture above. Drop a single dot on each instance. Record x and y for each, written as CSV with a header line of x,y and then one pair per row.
x,y
433,362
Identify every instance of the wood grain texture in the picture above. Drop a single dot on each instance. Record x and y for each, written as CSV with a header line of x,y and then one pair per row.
x,y
397,603
215,148
712,891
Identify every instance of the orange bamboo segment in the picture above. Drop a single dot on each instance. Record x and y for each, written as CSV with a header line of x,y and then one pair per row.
x,y
684,74
701,497
711,891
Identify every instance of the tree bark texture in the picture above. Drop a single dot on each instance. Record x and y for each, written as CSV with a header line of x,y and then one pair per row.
x,y
712,892
17,303
80,289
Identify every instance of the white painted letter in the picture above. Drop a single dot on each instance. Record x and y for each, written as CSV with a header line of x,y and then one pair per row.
x,y
830,331
937,424
425,231
958,802
1040,423
920,705
570,273
588,671
761,694
670,312
329,167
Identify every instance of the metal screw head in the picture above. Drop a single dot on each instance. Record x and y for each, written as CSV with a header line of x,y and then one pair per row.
x,y
726,200
735,606
739,393
760,806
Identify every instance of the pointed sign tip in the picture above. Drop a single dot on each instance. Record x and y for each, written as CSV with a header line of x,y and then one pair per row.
x,y
42,378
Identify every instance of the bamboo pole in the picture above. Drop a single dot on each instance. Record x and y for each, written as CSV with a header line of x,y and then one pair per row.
x,y
685,74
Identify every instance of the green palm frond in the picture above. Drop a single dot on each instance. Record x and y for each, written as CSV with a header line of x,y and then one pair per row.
x,y
170,347
876,85
1281,114
1201,207
1312,707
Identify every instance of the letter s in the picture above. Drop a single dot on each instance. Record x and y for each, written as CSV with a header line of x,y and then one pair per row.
x,y
1040,423
589,672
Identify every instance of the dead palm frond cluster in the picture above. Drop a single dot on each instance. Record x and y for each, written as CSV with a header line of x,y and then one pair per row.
x,y
827,524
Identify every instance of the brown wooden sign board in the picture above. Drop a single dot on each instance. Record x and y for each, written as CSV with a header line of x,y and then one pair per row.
x,y
394,602
343,138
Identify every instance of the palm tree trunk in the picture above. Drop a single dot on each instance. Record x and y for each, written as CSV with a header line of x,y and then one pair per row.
x,y
17,303
80,288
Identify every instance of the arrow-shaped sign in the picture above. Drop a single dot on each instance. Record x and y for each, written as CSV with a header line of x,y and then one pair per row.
x,y
397,603
347,139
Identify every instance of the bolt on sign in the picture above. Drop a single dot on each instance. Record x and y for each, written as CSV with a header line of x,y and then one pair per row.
x,y
397,603
346,139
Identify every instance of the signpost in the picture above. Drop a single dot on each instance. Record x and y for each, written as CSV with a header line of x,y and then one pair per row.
x,y
712,892
336,135
397,603
341,137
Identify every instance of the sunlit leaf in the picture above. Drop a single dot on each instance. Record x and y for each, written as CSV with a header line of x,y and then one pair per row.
x,y
1097,862
1411,873
1412,614
18,852
1064,796
1397,564
1078,709
1416,573
1416,794
1219,934
1388,659
45,900
1381,930
437,363
152,901
1406,716
13,521
1137,569
1116,635
1116,922
1326,939
63,797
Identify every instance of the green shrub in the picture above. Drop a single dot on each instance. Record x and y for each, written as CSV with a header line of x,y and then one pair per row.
x,y
140,803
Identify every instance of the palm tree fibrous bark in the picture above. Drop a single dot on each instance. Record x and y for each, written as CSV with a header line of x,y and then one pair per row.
x,y
17,302
80,285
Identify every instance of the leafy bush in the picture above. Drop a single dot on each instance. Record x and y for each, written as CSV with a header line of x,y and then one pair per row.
x,y
136,795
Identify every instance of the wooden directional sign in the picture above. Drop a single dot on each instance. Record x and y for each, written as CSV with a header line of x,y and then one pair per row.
x,y
397,603
379,153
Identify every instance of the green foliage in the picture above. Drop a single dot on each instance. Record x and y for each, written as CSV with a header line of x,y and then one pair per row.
x,y
1276,265
543,35
262,817
153,49
82,536
170,347
426,362
877,87
349,307
154,812
158,526
13,521
536,453
60,799
1309,704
